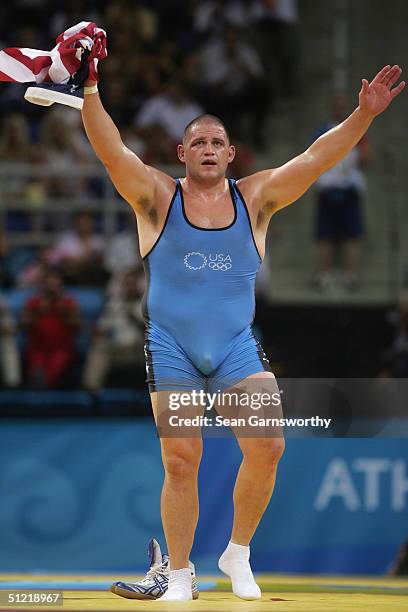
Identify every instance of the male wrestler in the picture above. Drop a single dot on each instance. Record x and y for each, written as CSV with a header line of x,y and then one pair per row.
x,y
202,239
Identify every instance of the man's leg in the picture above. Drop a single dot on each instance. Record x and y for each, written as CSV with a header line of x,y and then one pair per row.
x,y
252,492
179,501
351,249
326,250
352,231
254,485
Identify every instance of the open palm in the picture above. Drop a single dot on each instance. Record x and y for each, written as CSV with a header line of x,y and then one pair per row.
x,y
376,96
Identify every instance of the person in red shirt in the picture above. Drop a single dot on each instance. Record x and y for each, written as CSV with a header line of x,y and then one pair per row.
x,y
51,321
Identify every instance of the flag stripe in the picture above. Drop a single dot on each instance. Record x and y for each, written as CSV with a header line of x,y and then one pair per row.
x,y
6,77
14,69
34,64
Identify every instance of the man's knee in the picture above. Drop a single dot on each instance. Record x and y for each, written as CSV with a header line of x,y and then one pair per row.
x,y
182,459
265,451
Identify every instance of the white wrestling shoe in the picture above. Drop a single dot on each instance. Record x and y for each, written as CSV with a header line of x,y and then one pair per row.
x,y
155,584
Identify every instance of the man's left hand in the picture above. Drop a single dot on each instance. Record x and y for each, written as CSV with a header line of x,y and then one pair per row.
x,y
376,96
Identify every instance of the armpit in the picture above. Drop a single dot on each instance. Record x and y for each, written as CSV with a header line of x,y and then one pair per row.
x,y
146,208
265,213
153,216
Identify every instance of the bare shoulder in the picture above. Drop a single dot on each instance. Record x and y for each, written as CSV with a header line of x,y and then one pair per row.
x,y
252,188
164,186
162,179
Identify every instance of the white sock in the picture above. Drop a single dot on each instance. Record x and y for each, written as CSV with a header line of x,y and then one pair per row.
x,y
179,588
234,562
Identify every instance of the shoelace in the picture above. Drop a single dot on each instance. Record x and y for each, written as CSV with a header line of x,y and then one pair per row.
x,y
162,568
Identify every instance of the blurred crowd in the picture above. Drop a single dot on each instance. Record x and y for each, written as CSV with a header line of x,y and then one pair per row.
x,y
72,313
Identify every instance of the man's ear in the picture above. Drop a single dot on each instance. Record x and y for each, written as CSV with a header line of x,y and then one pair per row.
x,y
180,153
231,153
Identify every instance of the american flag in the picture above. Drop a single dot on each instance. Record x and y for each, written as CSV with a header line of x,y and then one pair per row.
x,y
24,65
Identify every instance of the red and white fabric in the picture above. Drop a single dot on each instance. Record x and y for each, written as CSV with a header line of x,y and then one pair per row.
x,y
25,65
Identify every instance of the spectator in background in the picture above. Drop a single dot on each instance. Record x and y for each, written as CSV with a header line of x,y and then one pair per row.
x,y
232,85
78,253
133,29
50,320
116,94
122,255
339,219
119,337
15,142
162,120
9,355
275,28
79,147
212,16
63,147
135,21
16,147
31,272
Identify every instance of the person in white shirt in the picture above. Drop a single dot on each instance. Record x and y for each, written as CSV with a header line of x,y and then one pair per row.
x,y
275,25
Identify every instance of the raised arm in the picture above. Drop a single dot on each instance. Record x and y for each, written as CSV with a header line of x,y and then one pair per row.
x,y
132,178
279,187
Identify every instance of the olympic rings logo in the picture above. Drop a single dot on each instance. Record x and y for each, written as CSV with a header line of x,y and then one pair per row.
x,y
220,265
197,261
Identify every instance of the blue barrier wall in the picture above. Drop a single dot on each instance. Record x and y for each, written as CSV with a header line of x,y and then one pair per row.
x,y
84,495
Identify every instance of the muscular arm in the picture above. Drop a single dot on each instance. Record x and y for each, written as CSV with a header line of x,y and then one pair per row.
x,y
286,184
279,187
131,177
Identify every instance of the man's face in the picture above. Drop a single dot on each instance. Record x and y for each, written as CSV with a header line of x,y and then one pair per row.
x,y
206,151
